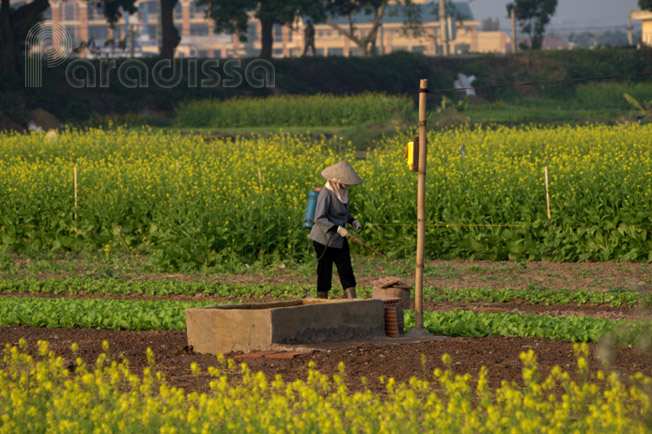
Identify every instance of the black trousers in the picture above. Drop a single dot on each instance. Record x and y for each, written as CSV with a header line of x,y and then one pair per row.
x,y
341,258
307,45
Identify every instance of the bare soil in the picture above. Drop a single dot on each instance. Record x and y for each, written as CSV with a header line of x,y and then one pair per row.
x,y
173,357
598,276
499,354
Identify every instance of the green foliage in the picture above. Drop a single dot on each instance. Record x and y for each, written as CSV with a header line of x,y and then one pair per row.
x,y
233,16
189,203
533,17
88,286
76,286
590,102
609,95
572,328
169,315
316,110
395,73
95,313
547,297
645,4
644,110
447,103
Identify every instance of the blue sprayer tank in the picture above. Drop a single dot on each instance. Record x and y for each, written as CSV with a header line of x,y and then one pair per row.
x,y
311,205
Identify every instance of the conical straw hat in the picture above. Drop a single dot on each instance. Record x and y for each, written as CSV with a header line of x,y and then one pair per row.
x,y
343,173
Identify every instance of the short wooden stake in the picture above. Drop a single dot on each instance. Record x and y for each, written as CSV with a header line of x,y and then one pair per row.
x,y
260,181
545,171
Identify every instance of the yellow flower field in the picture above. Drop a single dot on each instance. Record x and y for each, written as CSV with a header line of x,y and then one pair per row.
x,y
191,202
39,394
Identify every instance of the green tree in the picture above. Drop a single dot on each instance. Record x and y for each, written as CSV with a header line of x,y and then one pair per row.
x,y
533,16
233,16
16,22
408,10
347,8
645,4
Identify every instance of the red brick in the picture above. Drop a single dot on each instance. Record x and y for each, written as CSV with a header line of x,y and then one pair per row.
x,y
255,355
286,354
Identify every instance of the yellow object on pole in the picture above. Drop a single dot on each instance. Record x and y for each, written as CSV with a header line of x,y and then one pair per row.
x,y
421,207
412,155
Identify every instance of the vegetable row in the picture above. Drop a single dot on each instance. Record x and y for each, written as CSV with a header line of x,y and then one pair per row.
x,y
169,315
75,286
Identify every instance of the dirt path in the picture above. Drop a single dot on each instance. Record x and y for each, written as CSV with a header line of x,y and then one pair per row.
x,y
602,276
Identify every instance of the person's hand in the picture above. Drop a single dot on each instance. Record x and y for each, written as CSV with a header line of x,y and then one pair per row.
x,y
343,232
357,227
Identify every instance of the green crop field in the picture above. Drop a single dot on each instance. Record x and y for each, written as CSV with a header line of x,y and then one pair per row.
x,y
193,203
288,111
533,194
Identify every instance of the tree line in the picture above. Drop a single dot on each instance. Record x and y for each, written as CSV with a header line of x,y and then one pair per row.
x,y
232,16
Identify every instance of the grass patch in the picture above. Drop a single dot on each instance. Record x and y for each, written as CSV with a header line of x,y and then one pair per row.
x,y
292,110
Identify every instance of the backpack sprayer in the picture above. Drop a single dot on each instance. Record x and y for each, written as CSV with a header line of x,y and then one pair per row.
x,y
311,206
308,223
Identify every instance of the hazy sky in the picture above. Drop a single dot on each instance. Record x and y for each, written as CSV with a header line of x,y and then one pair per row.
x,y
569,14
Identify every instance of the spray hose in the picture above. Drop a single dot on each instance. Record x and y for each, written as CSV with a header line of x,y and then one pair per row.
x,y
357,240
381,254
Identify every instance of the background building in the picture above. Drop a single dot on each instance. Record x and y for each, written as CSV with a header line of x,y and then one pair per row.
x,y
138,34
646,26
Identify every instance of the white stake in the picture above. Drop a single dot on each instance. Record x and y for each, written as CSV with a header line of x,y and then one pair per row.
x,y
545,171
75,185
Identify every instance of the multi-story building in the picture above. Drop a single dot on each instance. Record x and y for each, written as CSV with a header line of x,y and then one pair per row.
x,y
141,31
646,26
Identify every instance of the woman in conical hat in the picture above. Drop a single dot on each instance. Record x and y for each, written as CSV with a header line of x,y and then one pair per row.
x,y
329,234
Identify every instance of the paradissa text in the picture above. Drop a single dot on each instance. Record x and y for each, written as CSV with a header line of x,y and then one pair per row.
x,y
166,73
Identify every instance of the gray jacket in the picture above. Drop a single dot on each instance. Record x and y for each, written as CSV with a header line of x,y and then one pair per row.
x,y
329,214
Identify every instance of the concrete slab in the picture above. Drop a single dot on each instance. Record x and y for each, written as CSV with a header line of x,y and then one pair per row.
x,y
354,343
259,326
272,354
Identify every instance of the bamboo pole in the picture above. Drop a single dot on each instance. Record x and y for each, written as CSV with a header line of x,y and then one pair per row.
x,y
545,171
421,207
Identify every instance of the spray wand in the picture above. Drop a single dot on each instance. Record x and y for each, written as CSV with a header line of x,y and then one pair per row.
x,y
381,254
